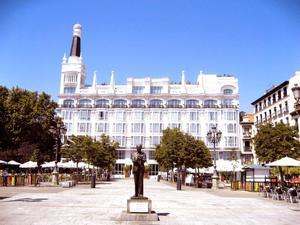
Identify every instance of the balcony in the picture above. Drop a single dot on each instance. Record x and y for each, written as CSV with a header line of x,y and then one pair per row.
x,y
192,106
137,106
155,106
66,106
119,106
173,106
84,106
210,106
102,106
247,149
228,106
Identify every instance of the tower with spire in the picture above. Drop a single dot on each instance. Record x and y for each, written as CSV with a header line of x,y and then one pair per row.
x,y
73,68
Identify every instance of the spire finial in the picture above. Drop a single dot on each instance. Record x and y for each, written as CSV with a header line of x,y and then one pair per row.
x,y
77,30
183,77
112,78
64,59
95,79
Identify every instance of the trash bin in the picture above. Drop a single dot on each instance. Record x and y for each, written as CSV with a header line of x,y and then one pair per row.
x,y
93,181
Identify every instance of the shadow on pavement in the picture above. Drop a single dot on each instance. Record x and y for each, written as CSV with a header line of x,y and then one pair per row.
x,y
28,200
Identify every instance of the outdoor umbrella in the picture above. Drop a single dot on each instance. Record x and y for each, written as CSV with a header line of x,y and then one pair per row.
x,y
51,165
28,165
2,162
13,163
286,161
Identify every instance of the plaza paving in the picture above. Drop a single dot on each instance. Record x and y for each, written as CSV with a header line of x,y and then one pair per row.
x,y
104,204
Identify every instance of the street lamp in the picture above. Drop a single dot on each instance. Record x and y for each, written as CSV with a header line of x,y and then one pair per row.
x,y
296,114
57,131
214,137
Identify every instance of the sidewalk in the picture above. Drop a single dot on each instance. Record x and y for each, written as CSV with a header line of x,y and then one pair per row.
x,y
104,204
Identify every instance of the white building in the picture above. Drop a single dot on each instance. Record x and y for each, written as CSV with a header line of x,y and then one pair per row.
x,y
138,111
276,104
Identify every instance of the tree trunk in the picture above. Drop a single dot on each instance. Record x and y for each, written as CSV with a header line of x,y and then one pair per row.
x,y
281,173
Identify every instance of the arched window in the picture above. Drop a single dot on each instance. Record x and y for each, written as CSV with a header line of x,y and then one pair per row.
x,y
120,103
69,103
191,103
173,103
102,103
138,103
85,103
210,103
156,103
227,91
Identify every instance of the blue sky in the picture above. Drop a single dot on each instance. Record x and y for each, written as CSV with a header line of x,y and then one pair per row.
x,y
256,41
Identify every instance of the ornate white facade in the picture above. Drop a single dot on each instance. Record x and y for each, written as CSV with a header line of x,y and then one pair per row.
x,y
138,111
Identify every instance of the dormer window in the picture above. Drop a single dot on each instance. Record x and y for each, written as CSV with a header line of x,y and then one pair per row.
x,y
227,91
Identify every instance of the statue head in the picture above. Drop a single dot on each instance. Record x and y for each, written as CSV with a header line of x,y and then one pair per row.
x,y
139,148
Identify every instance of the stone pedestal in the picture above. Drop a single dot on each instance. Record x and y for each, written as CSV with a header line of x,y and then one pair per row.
x,y
139,209
139,205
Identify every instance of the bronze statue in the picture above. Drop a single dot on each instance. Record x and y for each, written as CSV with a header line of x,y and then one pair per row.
x,y
138,158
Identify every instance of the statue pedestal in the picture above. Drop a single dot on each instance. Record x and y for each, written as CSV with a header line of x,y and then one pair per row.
x,y
139,209
139,205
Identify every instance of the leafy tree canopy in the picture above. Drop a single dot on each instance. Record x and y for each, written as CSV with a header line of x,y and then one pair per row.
x,y
273,142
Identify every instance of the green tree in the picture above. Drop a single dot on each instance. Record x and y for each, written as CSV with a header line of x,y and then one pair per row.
x,y
273,142
25,121
178,149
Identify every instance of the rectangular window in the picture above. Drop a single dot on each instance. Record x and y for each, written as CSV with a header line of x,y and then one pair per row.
x,y
66,115
194,128
119,127
175,116
157,116
137,140
155,128
119,169
69,90
194,116
69,127
137,116
230,115
102,115
174,125
151,155
230,141
212,116
138,89
137,127
84,114
120,154
154,140
156,89
120,116
120,139
102,127
84,127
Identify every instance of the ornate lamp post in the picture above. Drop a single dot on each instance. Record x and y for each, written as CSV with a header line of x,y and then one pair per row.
x,y
214,137
296,113
58,130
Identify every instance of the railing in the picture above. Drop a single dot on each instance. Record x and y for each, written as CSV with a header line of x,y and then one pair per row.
x,y
155,106
84,106
173,106
228,106
119,106
192,106
247,149
210,106
137,106
66,106
102,106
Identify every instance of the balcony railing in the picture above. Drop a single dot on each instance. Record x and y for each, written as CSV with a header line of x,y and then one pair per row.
x,y
84,106
192,106
119,106
66,106
102,106
173,106
247,149
137,106
228,106
210,106
155,106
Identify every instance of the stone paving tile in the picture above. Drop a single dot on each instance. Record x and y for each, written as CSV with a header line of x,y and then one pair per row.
x,y
104,204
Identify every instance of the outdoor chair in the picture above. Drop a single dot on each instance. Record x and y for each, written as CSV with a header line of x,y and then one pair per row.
x,y
279,194
291,195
